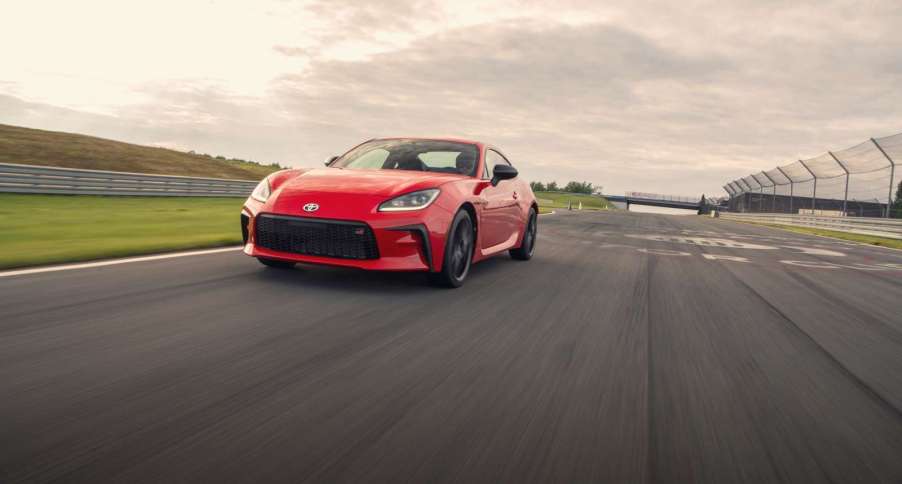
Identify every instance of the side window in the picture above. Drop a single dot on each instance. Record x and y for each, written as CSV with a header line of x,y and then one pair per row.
x,y
372,160
493,158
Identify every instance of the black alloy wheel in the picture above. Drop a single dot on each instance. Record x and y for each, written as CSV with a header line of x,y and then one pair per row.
x,y
458,252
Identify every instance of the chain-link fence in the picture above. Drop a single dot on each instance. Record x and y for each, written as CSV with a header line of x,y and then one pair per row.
x,y
859,181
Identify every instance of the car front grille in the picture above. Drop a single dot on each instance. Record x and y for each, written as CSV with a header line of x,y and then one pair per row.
x,y
310,236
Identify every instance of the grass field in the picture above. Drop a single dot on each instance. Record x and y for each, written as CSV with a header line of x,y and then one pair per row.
x,y
45,229
52,148
559,200
50,229
864,239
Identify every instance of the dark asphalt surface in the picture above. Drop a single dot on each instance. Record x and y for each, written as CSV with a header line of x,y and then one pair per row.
x,y
618,354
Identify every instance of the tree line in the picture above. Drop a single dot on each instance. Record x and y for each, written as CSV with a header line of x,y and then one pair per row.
x,y
570,187
233,160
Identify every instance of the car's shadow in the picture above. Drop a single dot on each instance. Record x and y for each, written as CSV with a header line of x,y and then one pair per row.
x,y
311,276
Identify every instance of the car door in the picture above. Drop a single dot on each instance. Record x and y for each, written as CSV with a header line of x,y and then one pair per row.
x,y
501,214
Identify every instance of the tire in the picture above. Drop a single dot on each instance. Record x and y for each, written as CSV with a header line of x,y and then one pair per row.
x,y
528,245
458,252
278,264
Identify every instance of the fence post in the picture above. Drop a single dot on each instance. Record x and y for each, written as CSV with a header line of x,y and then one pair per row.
x,y
813,194
773,205
845,198
892,173
791,195
761,198
750,192
791,187
761,192
744,191
740,204
751,199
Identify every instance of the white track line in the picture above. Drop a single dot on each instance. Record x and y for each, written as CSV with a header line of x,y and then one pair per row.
x,y
85,265
835,239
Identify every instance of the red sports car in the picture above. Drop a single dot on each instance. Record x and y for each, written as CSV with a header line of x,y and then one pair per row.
x,y
433,205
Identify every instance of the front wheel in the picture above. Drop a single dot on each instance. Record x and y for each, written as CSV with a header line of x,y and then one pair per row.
x,y
278,264
528,246
458,252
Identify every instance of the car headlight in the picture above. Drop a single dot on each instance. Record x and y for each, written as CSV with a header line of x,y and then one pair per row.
x,y
262,191
411,201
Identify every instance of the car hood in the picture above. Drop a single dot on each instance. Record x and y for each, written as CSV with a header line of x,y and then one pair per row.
x,y
384,183
342,192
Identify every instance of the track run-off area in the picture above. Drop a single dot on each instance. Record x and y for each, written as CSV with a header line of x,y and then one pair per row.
x,y
632,348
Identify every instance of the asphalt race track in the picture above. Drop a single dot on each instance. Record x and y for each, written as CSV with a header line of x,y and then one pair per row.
x,y
633,348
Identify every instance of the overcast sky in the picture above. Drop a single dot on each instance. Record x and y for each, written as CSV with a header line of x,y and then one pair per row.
x,y
673,97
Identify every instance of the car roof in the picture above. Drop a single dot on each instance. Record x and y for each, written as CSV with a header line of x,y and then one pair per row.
x,y
437,138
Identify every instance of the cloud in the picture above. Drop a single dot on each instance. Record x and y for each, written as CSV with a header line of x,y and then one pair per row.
x,y
368,17
516,82
292,51
630,95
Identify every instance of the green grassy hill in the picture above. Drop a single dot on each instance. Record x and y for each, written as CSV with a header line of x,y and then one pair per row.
x,y
559,200
52,148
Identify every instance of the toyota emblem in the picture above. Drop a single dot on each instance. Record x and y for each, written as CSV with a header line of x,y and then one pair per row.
x,y
311,207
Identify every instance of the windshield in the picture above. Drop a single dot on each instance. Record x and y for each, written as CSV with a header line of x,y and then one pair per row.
x,y
417,155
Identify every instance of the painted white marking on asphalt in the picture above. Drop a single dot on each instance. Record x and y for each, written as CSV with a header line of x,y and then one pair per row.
x,y
86,265
611,246
706,241
813,251
812,264
866,267
873,266
663,252
724,257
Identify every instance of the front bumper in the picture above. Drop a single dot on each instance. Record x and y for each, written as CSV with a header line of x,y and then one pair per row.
x,y
405,242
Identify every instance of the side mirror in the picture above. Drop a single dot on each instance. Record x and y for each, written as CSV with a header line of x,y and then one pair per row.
x,y
503,172
331,159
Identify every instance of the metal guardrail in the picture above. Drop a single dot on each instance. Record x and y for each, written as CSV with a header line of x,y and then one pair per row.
x,y
16,178
855,225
